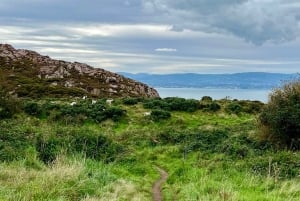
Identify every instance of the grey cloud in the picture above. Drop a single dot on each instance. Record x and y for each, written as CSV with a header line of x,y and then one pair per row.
x,y
257,21
107,11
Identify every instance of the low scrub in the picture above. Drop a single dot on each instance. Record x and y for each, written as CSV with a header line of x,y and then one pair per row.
x,y
280,117
14,141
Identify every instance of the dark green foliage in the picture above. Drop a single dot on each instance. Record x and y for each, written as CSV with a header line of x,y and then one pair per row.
x,y
114,113
96,146
214,107
15,143
8,105
131,101
277,164
97,112
209,106
48,148
32,108
234,107
252,107
206,99
210,141
280,118
214,141
172,104
90,144
157,115
12,142
155,103
181,104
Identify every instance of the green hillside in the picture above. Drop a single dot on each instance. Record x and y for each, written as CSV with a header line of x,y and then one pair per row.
x,y
92,150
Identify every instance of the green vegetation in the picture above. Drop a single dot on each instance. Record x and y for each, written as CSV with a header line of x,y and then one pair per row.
x,y
280,118
51,149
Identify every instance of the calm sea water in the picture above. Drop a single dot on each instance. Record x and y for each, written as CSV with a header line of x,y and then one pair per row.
x,y
215,93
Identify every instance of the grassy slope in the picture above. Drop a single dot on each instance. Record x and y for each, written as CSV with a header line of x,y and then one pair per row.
x,y
232,169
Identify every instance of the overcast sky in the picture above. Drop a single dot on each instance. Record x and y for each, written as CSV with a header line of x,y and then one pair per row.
x,y
159,36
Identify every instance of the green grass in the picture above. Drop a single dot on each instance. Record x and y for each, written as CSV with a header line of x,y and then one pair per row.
x,y
208,155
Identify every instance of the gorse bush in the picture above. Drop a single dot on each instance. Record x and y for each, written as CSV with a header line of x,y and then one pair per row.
x,y
32,108
234,107
84,110
157,115
206,99
8,105
172,104
252,107
280,118
208,106
131,101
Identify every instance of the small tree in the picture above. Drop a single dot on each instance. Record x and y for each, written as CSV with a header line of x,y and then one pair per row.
x,y
280,118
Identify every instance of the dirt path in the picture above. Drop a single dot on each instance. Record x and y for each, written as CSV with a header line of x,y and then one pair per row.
x,y
156,189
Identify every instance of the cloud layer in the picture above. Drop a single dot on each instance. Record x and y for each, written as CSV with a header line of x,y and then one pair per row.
x,y
159,36
257,21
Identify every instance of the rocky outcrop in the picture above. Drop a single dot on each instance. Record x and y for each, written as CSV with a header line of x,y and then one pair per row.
x,y
95,82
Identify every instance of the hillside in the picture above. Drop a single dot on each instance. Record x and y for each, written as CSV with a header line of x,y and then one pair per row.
x,y
26,73
207,150
250,80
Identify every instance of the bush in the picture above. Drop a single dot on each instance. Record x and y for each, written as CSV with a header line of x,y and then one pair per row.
x,y
114,113
13,142
181,104
252,107
157,115
172,104
130,101
281,116
32,108
212,107
155,103
206,99
234,108
8,105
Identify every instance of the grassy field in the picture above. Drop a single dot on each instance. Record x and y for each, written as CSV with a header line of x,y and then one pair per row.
x,y
209,155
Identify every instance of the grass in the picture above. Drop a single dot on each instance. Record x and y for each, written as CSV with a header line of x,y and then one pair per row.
x,y
208,155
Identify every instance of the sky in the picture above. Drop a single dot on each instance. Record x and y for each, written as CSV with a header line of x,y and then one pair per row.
x,y
159,36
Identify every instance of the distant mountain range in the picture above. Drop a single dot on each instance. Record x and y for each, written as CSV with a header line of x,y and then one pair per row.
x,y
249,80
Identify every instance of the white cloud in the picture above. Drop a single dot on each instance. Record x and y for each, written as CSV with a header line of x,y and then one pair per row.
x,y
134,48
166,50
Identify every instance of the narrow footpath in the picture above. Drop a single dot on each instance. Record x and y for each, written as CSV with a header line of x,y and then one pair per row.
x,y
156,189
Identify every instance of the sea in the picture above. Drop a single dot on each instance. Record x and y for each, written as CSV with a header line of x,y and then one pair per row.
x,y
216,93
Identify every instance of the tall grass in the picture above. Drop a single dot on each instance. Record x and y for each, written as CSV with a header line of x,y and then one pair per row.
x,y
209,155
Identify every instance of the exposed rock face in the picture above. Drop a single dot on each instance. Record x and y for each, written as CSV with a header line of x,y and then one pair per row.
x,y
56,73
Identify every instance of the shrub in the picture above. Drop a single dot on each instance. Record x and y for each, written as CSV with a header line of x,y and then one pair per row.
x,y
8,105
130,101
181,104
234,107
252,107
172,104
32,108
213,107
281,116
91,144
155,103
13,142
206,99
114,113
157,115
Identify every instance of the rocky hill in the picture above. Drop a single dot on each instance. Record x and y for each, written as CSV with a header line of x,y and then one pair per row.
x,y
26,73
